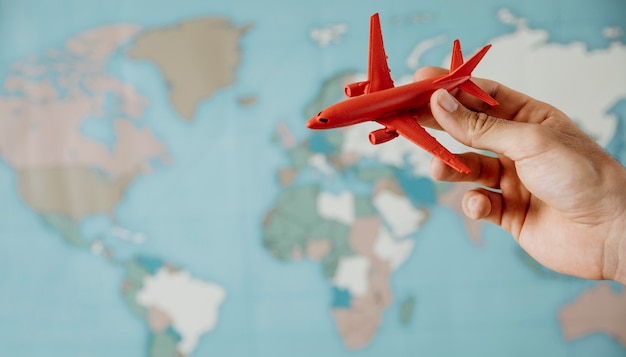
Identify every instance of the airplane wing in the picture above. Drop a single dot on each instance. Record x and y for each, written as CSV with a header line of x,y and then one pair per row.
x,y
378,70
407,126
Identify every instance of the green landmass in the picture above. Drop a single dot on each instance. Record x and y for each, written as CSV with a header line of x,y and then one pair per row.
x,y
294,221
133,282
406,310
373,174
299,156
68,228
364,207
331,91
163,344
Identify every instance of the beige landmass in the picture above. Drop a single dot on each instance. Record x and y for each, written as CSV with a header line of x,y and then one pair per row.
x,y
247,101
599,309
287,139
197,58
287,176
75,192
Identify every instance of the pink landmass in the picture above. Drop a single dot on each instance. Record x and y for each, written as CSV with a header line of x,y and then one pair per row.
x,y
599,309
48,134
131,104
317,249
358,323
28,69
287,139
34,91
363,235
388,184
97,45
133,150
158,320
41,128
349,158
452,199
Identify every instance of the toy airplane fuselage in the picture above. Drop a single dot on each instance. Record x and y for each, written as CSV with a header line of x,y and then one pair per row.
x,y
376,99
378,105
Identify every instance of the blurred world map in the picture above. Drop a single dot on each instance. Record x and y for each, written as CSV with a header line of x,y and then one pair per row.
x,y
161,196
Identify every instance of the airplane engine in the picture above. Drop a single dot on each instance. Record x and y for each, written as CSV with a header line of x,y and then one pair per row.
x,y
356,89
381,136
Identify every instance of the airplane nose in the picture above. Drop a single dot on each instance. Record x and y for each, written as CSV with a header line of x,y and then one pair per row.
x,y
317,123
311,124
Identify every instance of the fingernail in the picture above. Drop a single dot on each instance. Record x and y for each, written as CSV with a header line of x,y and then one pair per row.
x,y
472,206
447,101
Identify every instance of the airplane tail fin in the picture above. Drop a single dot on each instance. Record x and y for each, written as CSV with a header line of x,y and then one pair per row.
x,y
457,56
460,69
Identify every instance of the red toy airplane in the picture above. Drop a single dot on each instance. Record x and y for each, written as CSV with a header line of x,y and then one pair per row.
x,y
377,99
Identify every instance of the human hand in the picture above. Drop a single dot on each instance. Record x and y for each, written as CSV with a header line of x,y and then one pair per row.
x,y
559,194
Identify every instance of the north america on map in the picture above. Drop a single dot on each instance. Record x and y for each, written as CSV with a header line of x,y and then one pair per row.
x,y
92,124
65,175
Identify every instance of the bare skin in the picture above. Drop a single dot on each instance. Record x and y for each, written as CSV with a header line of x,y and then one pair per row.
x,y
560,195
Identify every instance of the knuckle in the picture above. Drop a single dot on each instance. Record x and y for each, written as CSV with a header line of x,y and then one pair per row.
x,y
480,123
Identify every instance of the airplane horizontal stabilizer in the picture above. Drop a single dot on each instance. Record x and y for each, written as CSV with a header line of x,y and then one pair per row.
x,y
460,69
471,88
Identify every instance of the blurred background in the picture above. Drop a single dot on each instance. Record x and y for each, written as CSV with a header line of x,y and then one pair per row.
x,y
161,196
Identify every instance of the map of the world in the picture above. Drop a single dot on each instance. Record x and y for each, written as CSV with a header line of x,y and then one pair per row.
x,y
160,194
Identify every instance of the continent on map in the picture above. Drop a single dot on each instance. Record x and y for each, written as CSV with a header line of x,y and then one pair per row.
x,y
177,307
600,309
65,171
357,253
359,238
75,192
196,58
294,227
587,88
50,97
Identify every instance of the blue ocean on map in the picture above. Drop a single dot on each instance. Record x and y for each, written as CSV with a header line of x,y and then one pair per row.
x,y
228,203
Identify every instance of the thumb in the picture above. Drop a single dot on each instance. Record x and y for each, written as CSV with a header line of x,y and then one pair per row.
x,y
475,129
